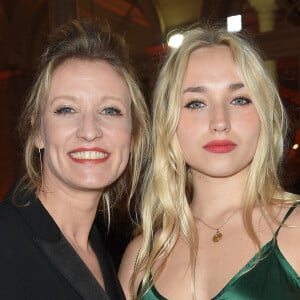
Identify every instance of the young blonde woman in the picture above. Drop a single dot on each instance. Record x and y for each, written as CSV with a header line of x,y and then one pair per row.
x,y
215,220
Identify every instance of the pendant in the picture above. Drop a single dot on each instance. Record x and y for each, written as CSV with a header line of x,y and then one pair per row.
x,y
217,236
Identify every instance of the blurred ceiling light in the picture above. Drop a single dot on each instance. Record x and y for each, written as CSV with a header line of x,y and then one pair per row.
x,y
234,23
175,40
295,146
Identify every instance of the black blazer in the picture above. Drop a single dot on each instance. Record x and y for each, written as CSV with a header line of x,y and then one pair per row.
x,y
37,262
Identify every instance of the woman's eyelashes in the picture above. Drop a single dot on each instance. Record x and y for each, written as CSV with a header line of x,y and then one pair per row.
x,y
199,104
195,104
64,110
110,111
240,101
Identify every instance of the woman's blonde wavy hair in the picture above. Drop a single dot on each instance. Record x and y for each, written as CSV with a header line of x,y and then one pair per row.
x,y
165,211
85,40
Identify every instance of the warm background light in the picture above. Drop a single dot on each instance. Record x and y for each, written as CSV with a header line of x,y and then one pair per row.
x,y
175,40
295,146
234,23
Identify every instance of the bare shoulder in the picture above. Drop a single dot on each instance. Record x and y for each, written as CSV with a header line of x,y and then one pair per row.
x,y
130,254
128,263
292,214
289,238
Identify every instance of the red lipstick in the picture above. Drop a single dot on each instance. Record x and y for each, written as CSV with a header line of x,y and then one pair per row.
x,y
89,155
219,146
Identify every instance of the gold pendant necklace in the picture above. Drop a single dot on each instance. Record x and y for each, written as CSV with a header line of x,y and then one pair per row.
x,y
218,235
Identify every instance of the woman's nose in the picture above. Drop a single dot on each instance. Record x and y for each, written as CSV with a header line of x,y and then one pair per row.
x,y
220,119
89,127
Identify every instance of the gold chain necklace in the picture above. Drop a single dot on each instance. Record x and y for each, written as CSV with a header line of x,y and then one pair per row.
x,y
218,235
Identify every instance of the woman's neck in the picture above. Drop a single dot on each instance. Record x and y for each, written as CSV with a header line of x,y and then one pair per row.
x,y
74,213
217,196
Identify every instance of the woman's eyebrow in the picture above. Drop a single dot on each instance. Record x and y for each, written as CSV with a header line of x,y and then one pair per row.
x,y
195,89
202,89
236,86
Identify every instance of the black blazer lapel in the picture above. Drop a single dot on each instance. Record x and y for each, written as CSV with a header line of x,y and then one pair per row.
x,y
70,265
112,285
56,248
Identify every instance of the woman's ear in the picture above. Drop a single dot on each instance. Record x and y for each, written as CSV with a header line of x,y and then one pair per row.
x,y
38,141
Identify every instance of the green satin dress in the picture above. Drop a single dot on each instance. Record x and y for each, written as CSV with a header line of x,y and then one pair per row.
x,y
273,278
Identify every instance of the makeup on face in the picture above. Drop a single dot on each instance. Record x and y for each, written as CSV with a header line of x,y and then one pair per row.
x,y
89,155
220,146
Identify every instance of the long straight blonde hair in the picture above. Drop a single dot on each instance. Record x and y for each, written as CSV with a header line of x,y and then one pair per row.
x,y
165,210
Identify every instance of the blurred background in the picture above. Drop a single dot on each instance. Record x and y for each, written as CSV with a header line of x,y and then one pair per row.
x,y
146,25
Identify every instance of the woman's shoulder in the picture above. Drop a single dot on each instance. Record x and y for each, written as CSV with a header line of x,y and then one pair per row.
x,y
12,220
284,208
289,235
131,253
292,214
13,229
128,262
7,212
12,201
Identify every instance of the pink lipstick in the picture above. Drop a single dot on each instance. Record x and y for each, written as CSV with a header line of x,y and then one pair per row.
x,y
89,155
219,146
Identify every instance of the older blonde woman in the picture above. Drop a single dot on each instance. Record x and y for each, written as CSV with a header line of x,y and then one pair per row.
x,y
85,127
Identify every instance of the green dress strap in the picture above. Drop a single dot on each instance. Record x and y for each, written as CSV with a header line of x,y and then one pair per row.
x,y
289,212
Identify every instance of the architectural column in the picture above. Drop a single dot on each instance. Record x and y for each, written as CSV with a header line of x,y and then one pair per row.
x,y
266,18
266,13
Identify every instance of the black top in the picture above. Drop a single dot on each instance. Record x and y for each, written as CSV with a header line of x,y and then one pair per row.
x,y
37,262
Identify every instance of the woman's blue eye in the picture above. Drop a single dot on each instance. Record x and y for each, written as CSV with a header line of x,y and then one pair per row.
x,y
113,111
240,101
196,104
64,110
